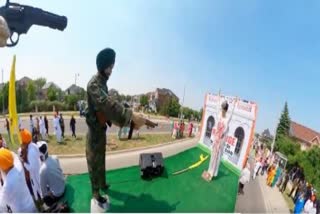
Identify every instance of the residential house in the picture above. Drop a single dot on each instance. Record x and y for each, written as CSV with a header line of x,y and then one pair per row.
x,y
159,97
24,81
44,90
266,135
304,135
74,90
135,101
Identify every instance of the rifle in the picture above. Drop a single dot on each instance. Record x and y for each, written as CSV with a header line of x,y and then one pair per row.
x,y
20,18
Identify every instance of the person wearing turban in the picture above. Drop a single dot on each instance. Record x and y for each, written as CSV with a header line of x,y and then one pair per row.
x,y
101,111
30,157
51,176
14,194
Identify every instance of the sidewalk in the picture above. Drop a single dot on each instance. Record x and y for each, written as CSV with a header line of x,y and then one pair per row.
x,y
273,199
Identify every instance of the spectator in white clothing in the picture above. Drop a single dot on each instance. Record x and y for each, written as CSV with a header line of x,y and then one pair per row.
x,y
310,206
51,176
30,157
57,128
14,194
244,178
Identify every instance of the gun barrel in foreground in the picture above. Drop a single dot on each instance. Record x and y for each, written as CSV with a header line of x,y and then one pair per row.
x,y
20,18
46,19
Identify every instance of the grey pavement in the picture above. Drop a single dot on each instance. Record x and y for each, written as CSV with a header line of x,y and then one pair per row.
x,y
81,126
253,200
78,165
260,198
275,203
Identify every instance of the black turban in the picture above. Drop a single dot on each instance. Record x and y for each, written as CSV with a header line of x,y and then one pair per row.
x,y
105,58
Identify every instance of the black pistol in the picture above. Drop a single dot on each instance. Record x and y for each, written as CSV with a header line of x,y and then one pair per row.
x,y
20,18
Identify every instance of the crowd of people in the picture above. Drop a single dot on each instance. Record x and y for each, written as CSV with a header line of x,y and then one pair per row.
x,y
302,193
178,129
30,179
40,126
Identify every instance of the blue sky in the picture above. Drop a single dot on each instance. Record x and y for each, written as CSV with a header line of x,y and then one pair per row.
x,y
264,51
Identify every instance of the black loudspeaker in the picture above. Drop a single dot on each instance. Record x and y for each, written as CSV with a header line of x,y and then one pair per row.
x,y
151,165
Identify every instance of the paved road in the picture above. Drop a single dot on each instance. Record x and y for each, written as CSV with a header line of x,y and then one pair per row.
x,y
125,159
252,201
81,127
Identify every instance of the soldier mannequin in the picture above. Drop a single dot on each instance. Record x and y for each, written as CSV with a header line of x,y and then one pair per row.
x,y
102,110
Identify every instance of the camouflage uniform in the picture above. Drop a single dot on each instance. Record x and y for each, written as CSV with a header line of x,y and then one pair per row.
x,y
100,101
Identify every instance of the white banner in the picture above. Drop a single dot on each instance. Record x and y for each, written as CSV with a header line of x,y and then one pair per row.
x,y
241,127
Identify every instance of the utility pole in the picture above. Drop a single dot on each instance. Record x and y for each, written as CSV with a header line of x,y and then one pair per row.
x,y
181,112
75,78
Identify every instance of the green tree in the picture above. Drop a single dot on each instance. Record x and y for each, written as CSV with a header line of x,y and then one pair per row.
x,y
31,89
174,108
309,162
287,146
40,82
188,113
171,107
52,93
284,123
4,97
82,94
144,100
71,101
22,99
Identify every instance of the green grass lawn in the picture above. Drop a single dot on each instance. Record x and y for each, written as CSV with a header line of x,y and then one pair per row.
x,y
186,192
77,146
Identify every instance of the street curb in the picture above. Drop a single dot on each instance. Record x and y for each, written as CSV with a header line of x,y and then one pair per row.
x,y
131,150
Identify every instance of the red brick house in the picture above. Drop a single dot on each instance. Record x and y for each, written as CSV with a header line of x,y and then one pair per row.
x,y
304,135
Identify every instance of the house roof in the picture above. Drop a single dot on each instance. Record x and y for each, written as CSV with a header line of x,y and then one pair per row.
x,y
74,87
316,140
266,133
303,133
166,91
24,81
48,84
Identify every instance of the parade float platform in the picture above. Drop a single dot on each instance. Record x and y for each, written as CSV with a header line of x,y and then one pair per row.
x,y
186,192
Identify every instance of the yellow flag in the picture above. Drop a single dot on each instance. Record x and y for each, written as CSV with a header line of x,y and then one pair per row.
x,y
13,116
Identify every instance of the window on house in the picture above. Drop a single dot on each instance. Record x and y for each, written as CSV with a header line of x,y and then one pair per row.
x,y
239,134
210,125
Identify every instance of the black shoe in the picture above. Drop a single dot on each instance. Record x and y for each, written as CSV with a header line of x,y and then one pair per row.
x,y
101,200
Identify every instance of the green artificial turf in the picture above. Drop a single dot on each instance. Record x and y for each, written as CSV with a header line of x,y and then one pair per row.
x,y
186,192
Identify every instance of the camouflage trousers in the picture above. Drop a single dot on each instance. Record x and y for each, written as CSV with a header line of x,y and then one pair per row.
x,y
96,153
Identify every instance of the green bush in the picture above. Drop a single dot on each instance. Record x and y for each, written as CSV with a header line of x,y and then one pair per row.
x,y
42,105
286,145
59,106
307,160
